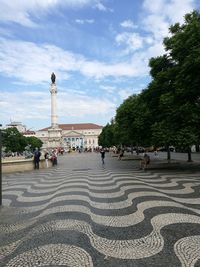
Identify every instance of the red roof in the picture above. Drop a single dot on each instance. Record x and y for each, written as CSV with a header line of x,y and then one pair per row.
x,y
29,132
77,126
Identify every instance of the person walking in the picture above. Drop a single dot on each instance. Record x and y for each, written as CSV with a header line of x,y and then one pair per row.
x,y
102,152
36,159
144,161
121,154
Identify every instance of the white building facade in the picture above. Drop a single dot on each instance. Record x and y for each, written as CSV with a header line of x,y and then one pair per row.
x,y
20,127
75,136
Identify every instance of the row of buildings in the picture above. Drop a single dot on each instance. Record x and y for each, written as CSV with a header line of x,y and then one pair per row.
x,y
82,135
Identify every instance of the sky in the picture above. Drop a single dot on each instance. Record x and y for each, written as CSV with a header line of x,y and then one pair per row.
x,y
98,49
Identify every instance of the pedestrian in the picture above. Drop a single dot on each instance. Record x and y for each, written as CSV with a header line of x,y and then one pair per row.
x,y
121,154
54,158
36,159
46,156
144,161
102,151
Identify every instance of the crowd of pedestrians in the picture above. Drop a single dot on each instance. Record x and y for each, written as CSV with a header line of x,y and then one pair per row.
x,y
53,156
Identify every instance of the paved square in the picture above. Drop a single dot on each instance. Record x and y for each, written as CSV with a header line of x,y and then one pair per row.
x,y
83,213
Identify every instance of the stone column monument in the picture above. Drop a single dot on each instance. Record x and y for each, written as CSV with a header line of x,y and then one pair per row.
x,y
54,132
53,91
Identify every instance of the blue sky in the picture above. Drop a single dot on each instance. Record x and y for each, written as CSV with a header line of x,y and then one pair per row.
x,y
98,49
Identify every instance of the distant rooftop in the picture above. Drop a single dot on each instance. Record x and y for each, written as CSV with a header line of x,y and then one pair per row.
x,y
76,126
14,123
28,132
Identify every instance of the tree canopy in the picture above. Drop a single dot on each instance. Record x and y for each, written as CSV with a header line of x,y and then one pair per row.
x,y
14,141
167,112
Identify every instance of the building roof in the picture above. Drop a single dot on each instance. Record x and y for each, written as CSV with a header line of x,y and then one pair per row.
x,y
76,126
29,133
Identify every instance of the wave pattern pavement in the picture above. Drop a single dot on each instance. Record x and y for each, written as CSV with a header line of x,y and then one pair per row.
x,y
81,213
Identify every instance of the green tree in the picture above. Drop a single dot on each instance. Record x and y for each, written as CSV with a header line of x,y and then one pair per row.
x,y
132,118
167,111
34,142
183,48
159,97
174,91
13,140
107,136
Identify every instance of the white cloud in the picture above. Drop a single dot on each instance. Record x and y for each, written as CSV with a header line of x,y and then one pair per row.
x,y
155,50
133,41
100,70
80,105
157,25
128,24
31,105
36,63
83,21
155,6
108,89
182,7
102,7
20,11
5,32
160,14
16,12
24,105
125,93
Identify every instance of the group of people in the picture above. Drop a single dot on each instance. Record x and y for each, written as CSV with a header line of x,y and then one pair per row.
x,y
53,157
47,156
144,162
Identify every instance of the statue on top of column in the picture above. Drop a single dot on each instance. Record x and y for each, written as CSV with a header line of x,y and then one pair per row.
x,y
53,77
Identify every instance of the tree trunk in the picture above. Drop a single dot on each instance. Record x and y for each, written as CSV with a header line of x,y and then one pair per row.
x,y
168,153
137,149
131,148
189,155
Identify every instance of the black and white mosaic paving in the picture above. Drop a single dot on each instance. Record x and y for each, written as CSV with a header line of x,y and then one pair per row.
x,y
83,213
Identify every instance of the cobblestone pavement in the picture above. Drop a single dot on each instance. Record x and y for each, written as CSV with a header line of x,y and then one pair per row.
x,y
83,213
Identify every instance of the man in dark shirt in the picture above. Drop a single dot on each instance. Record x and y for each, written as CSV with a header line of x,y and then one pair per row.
x,y
102,151
37,155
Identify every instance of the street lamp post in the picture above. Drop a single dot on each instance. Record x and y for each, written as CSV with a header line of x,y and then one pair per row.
x,y
0,166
